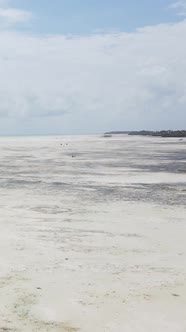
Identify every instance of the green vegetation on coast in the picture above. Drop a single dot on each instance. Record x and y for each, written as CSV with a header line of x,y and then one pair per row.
x,y
162,133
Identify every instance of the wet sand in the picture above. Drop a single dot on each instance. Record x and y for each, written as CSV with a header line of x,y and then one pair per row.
x,y
93,234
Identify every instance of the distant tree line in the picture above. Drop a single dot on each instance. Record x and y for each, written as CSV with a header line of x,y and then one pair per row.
x,y
161,133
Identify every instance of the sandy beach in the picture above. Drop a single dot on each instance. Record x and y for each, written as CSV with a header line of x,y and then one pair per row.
x,y
93,234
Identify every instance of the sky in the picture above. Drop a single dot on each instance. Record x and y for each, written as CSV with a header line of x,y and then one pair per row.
x,y
90,66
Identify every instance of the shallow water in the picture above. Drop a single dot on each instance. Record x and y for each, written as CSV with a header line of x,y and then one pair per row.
x,y
95,168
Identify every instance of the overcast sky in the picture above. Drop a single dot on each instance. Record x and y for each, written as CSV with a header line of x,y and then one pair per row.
x,y
88,66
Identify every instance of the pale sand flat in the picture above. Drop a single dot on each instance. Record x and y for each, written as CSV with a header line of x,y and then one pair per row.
x,y
96,242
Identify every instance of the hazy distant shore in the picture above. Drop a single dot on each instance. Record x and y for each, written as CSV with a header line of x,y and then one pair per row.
x,y
162,133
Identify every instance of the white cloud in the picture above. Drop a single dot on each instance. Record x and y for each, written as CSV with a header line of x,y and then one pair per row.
x,y
113,81
180,6
4,2
10,16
